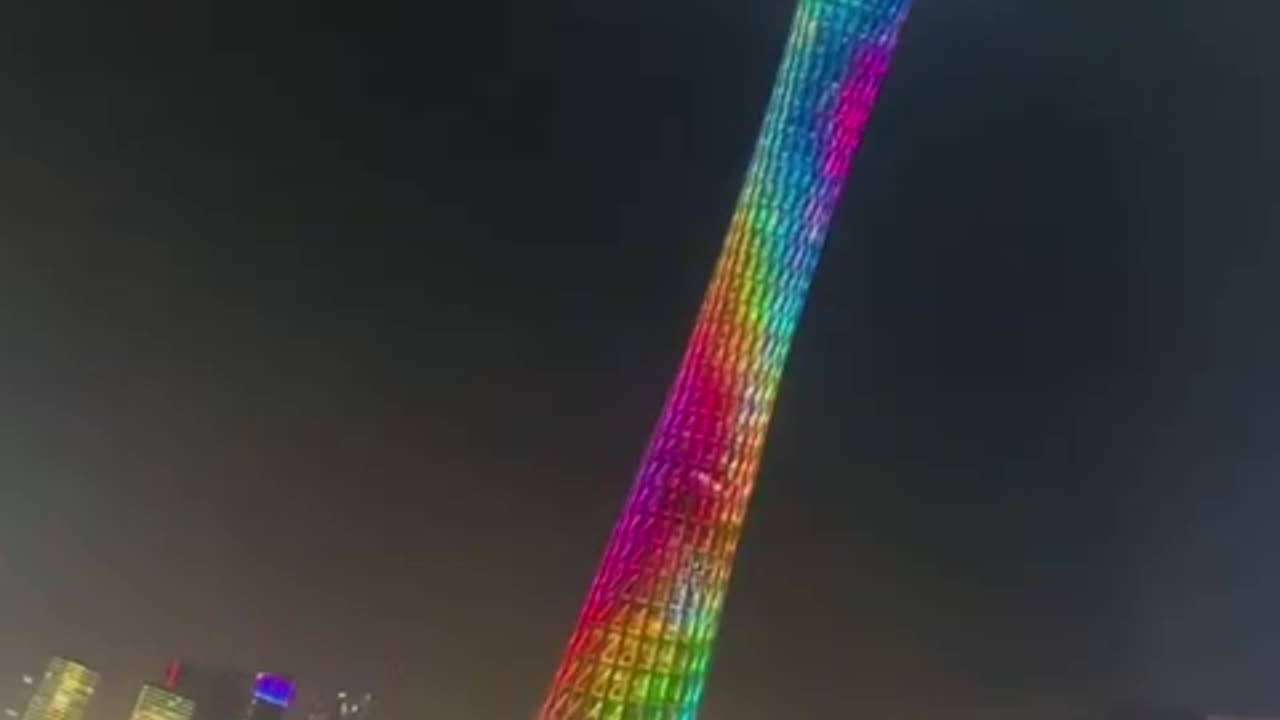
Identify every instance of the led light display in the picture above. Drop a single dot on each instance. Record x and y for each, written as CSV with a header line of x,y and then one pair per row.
x,y
273,689
644,639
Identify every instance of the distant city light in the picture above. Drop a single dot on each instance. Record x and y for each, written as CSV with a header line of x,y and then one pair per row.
x,y
274,689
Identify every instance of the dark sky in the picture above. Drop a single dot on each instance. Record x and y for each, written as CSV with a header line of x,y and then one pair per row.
x,y
333,332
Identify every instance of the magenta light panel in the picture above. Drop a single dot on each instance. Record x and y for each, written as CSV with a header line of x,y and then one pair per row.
x,y
643,643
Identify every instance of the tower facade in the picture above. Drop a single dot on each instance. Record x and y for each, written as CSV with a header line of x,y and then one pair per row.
x,y
63,693
643,642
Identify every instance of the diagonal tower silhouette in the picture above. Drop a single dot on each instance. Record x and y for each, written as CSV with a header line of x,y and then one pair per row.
x,y
643,642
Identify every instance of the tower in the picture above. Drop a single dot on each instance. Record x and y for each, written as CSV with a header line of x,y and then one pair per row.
x,y
643,642
64,692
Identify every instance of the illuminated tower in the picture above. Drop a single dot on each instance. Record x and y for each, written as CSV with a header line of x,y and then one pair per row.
x,y
643,643
156,703
64,692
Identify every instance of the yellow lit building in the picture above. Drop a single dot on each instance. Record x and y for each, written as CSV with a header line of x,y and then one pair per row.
x,y
156,703
64,692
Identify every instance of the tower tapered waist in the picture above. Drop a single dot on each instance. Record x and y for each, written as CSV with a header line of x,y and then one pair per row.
x,y
644,640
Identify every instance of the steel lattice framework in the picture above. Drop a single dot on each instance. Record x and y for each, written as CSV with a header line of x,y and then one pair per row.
x,y
644,640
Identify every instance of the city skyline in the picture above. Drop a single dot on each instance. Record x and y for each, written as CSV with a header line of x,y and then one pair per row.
x,y
158,702
170,694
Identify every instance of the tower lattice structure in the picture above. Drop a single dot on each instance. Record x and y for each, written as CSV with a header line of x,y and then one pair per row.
x,y
644,640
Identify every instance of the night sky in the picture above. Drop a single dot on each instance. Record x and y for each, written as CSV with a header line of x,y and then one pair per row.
x,y
333,332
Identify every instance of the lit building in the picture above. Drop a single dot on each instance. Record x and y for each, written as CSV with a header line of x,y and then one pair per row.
x,y
227,694
272,695
63,693
643,643
155,703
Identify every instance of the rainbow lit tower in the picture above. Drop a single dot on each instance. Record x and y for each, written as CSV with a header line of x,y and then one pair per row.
x,y
643,643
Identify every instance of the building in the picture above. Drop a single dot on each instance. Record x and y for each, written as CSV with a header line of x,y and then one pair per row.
x,y
156,703
63,693
644,640
25,687
229,694
272,696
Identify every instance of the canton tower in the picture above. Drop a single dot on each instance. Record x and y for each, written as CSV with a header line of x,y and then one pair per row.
x,y
643,643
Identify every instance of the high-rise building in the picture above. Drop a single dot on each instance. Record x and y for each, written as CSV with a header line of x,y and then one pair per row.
x,y
63,693
228,694
643,642
156,703
18,696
